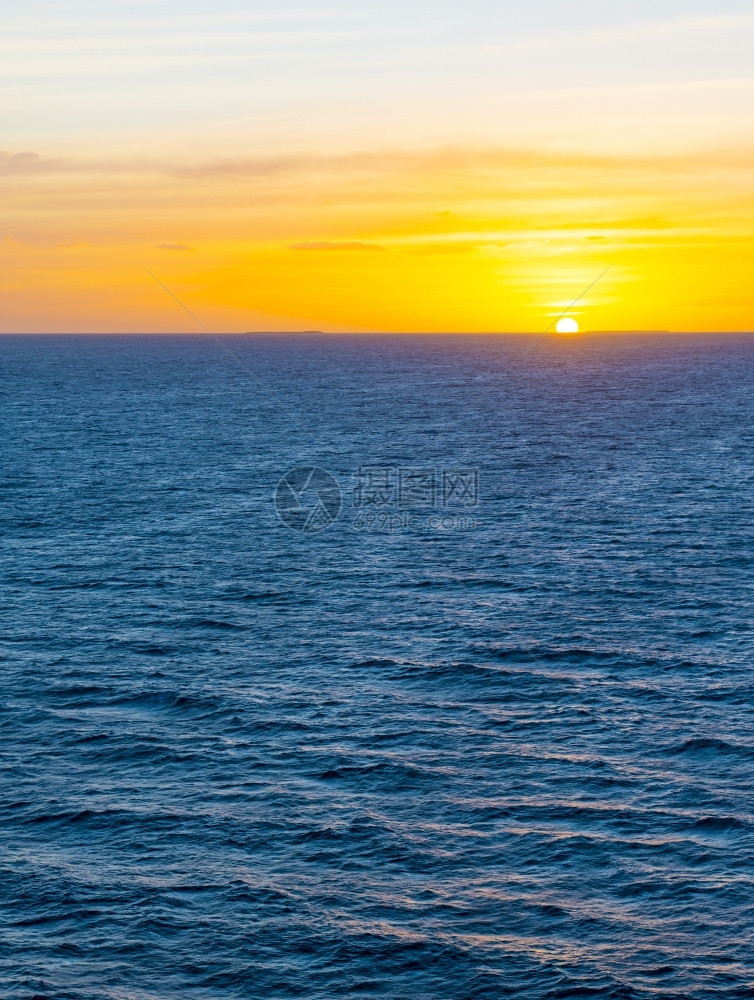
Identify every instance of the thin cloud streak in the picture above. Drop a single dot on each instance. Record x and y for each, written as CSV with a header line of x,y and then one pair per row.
x,y
326,245
629,32
446,158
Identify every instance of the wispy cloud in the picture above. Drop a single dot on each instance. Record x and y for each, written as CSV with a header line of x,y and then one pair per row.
x,y
630,31
23,164
326,245
183,247
453,159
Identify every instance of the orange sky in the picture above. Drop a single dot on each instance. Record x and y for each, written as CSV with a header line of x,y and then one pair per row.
x,y
475,239
476,208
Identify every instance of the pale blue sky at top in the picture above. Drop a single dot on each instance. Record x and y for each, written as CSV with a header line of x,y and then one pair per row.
x,y
294,74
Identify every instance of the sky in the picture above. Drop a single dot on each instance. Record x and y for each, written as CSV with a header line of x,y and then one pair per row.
x,y
407,166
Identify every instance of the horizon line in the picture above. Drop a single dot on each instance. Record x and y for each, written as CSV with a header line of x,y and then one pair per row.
x,y
372,333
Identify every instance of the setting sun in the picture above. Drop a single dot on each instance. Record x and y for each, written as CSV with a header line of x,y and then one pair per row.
x,y
567,325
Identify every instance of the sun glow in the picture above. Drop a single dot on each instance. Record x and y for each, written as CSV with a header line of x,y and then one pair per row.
x,y
408,242
567,325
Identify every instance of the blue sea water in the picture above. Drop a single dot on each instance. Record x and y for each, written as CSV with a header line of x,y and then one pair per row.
x,y
507,752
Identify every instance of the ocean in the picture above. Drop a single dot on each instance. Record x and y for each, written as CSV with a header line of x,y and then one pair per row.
x,y
402,667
